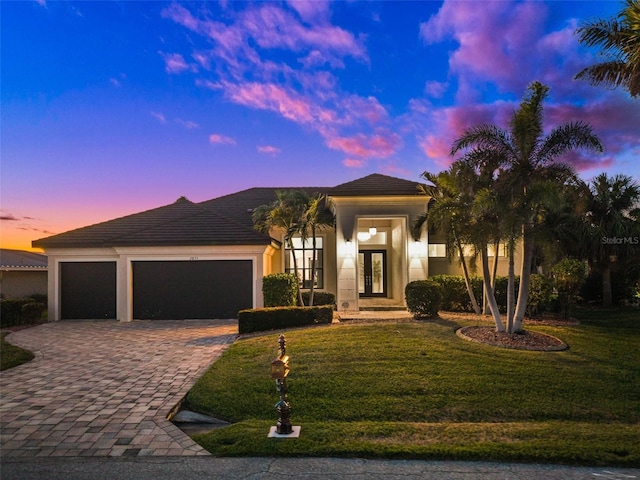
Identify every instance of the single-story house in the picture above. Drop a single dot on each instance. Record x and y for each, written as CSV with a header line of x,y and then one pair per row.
x,y
22,273
206,260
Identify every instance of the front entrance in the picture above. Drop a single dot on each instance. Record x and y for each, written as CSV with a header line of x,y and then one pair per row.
x,y
373,273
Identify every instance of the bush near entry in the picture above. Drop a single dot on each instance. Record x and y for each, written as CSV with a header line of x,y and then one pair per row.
x,y
320,298
280,290
424,298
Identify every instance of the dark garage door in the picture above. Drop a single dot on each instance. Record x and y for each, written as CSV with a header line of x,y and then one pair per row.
x,y
88,290
191,289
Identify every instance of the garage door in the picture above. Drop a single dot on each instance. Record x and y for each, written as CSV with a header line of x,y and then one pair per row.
x,y
191,289
88,290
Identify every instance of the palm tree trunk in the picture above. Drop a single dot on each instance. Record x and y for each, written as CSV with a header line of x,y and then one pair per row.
x,y
491,298
511,294
494,275
296,272
607,296
313,266
467,281
523,291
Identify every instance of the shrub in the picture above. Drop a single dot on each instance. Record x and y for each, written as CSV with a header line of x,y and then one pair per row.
x,y
260,319
320,298
455,297
569,276
21,311
33,312
423,298
540,294
280,290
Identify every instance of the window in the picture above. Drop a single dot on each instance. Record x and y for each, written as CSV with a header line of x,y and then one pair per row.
x,y
304,260
502,250
437,250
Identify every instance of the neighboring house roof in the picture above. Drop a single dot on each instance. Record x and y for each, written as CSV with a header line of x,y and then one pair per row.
x,y
224,220
21,260
375,185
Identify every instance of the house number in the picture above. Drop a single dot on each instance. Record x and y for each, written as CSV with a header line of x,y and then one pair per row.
x,y
193,258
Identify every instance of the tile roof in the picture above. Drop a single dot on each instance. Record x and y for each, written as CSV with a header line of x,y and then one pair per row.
x,y
21,259
224,220
375,184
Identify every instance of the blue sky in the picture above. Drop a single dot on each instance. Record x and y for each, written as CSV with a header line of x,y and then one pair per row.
x,y
111,108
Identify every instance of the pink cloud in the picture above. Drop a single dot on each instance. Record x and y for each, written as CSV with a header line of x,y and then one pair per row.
x,y
159,116
380,145
175,63
268,149
310,11
368,109
219,139
435,89
272,97
187,123
354,163
504,43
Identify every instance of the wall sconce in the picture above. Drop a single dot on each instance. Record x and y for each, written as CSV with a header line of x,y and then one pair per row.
x,y
348,248
363,236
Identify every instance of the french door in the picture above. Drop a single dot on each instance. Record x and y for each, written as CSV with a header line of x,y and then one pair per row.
x,y
373,273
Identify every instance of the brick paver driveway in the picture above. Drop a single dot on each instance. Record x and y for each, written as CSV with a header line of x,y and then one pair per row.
x,y
105,388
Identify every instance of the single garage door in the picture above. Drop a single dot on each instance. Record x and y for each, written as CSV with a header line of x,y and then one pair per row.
x,y
87,290
191,289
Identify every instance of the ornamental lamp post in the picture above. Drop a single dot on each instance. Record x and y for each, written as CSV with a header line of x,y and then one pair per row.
x,y
279,372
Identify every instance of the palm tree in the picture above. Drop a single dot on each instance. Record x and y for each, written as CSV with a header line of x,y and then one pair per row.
x,y
286,213
619,39
613,221
529,160
315,218
449,213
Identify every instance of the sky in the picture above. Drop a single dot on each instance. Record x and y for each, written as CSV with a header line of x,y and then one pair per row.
x,y
113,108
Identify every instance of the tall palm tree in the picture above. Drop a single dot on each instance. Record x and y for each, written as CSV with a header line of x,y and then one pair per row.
x,y
449,213
315,217
613,221
619,39
529,158
286,213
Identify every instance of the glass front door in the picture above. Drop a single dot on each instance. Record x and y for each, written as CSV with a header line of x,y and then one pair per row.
x,y
373,273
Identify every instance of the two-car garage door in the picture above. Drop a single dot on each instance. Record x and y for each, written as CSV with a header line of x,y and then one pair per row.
x,y
162,290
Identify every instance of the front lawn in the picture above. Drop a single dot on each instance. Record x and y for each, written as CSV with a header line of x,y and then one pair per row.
x,y
12,356
416,390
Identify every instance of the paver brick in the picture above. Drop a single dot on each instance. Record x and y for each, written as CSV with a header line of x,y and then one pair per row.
x,y
94,384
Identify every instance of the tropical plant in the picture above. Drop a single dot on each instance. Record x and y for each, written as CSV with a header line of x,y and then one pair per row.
x,y
529,167
612,225
569,276
285,213
449,213
619,39
296,214
315,218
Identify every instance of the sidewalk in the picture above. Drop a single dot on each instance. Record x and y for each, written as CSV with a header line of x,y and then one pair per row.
x,y
209,468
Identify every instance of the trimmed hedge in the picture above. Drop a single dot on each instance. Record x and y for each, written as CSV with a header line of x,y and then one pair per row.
x,y
274,318
22,311
320,298
280,290
423,298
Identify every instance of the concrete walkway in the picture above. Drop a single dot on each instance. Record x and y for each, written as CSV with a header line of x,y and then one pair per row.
x,y
105,388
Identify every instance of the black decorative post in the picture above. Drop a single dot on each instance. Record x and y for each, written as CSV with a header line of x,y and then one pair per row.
x,y
279,372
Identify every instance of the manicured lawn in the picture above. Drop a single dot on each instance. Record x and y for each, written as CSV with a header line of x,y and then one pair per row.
x,y
416,390
12,356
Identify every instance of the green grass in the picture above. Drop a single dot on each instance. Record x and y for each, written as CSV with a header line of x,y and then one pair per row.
x,y
415,390
12,356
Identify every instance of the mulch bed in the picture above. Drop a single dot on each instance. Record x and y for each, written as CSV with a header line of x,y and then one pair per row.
x,y
525,340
